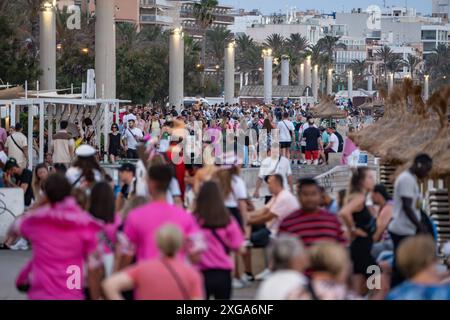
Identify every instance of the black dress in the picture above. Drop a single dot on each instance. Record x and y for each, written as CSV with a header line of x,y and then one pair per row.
x,y
361,247
114,144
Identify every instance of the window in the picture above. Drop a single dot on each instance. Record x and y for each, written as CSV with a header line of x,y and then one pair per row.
x,y
429,46
428,34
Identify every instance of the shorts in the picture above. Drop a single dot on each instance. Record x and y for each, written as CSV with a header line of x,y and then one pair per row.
x,y
303,148
285,145
312,155
295,146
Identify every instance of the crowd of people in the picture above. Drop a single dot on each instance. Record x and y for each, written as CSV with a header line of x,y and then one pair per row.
x,y
173,230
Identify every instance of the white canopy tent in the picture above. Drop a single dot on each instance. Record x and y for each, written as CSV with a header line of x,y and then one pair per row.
x,y
45,107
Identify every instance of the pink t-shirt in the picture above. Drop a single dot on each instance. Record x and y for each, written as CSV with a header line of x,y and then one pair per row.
x,y
142,224
62,238
153,280
215,256
281,205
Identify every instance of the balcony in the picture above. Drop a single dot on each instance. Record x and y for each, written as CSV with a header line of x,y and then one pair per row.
x,y
156,19
156,4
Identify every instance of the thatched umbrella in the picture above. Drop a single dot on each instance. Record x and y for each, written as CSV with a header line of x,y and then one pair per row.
x,y
12,93
328,110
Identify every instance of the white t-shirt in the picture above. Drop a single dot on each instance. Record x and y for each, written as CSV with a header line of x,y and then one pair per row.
x,y
130,134
269,166
285,126
141,180
335,141
280,285
281,206
73,174
174,191
405,186
14,151
239,192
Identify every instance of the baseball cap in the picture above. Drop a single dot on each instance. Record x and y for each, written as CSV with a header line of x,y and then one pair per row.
x,y
11,163
128,167
85,151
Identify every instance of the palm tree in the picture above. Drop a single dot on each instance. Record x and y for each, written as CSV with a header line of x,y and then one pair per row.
x,y
277,43
296,48
203,14
412,61
385,54
437,65
359,69
217,41
328,45
248,57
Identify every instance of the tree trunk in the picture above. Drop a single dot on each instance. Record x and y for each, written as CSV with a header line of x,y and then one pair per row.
x,y
202,82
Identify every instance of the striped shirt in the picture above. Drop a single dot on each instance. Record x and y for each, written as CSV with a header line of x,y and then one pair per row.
x,y
313,227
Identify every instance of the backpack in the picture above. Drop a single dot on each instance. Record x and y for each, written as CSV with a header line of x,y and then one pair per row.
x,y
341,141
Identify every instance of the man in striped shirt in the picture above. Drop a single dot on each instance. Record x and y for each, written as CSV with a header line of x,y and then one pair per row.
x,y
311,224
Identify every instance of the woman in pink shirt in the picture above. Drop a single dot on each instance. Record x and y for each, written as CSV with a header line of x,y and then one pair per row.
x,y
63,239
223,235
166,277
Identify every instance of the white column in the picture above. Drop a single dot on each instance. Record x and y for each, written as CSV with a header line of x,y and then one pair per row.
x,y
12,115
246,78
308,81
350,85
176,68
229,73
30,136
50,109
117,111
268,61
106,125
369,82
330,82
105,48
41,131
390,82
426,88
301,75
241,80
315,82
284,71
47,47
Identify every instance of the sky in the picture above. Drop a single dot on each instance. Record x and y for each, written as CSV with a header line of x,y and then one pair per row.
x,y
270,6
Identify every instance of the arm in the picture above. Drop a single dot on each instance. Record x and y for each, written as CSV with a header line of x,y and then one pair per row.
x,y
407,207
382,222
114,285
291,182
94,276
261,216
346,214
259,182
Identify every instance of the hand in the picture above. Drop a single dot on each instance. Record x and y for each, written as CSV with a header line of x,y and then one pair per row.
x,y
256,194
358,233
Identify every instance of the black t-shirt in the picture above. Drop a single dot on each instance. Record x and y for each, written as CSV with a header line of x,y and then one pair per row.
x,y
312,134
26,177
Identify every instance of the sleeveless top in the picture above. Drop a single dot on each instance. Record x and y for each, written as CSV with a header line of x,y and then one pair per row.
x,y
365,221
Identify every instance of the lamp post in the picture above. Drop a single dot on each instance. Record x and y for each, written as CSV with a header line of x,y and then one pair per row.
x,y
426,88
268,61
369,82
105,49
47,46
330,82
301,75
390,82
285,70
350,85
176,68
229,72
308,81
315,82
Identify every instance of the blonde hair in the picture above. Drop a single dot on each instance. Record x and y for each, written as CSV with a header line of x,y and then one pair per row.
x,y
415,254
329,257
133,203
169,240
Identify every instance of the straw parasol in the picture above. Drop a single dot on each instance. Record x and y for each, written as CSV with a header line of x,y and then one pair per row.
x,y
328,109
12,93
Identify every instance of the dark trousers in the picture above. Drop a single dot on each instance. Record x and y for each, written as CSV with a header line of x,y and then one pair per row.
x,y
132,154
217,284
327,151
397,277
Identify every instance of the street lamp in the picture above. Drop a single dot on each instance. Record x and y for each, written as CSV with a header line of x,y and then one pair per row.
x,y
47,6
59,46
85,50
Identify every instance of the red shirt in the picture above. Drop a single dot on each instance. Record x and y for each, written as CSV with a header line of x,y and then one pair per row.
x,y
313,227
180,170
